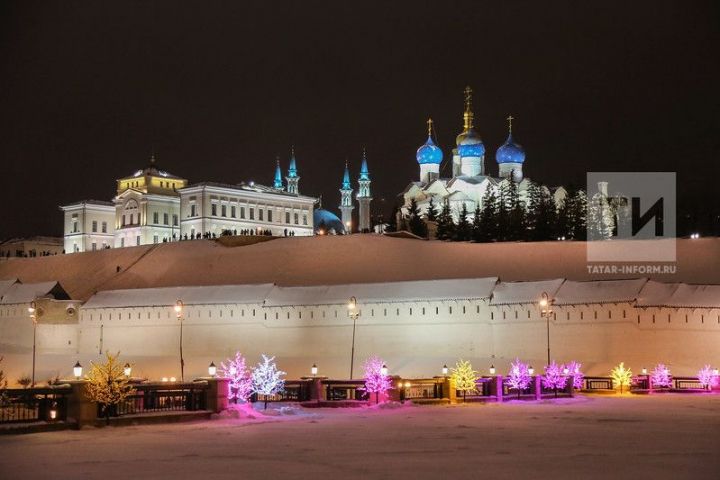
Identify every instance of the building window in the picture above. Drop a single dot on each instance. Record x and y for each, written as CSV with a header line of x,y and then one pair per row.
x,y
132,219
193,211
137,240
122,242
223,210
297,219
94,226
242,212
166,219
232,211
287,217
74,223
252,213
94,246
260,214
156,218
175,220
269,215
213,210
156,239
104,227
304,218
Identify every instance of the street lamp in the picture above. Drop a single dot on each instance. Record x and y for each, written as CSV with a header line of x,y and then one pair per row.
x,y
313,370
77,370
354,314
179,311
384,370
546,312
445,369
127,370
212,369
492,370
32,310
531,370
644,371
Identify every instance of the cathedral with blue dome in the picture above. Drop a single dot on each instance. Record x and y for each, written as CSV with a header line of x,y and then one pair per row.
x,y
469,180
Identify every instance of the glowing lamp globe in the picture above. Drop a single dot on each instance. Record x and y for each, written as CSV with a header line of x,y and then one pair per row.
x,y
384,370
644,371
716,372
53,412
212,369
127,369
531,370
164,379
173,379
566,371
77,370
407,384
445,369
314,370
492,370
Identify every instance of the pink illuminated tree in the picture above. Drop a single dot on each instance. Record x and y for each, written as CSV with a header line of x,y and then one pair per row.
x,y
554,377
519,376
574,370
241,382
707,377
377,380
660,376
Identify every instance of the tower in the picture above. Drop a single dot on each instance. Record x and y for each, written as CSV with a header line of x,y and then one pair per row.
x,y
510,157
292,177
469,157
364,197
346,203
429,157
278,184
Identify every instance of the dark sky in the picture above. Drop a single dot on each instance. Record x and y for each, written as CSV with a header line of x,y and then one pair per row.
x,y
218,89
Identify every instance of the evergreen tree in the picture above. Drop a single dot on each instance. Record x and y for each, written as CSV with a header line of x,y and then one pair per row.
x,y
462,230
267,379
541,214
432,210
477,225
516,212
489,216
445,224
415,222
107,384
464,377
392,221
502,214
577,215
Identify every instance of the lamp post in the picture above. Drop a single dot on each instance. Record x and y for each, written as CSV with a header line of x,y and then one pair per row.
x,y
354,314
77,370
445,370
546,312
32,310
127,370
179,312
313,370
492,370
212,369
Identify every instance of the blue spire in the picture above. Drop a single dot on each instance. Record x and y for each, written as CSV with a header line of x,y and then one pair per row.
x,y
346,178
292,171
364,172
278,176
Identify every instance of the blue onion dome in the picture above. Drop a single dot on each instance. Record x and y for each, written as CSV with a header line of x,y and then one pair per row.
x,y
510,152
429,153
470,144
326,220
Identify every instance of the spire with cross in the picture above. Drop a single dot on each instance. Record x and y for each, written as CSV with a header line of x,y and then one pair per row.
x,y
510,118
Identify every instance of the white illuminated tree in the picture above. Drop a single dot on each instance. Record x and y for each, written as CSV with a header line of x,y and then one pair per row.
x,y
267,379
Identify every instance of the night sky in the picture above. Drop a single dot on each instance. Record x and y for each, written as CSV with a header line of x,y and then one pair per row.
x,y
219,89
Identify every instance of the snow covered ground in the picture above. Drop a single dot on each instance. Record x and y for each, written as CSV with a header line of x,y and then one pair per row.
x,y
662,436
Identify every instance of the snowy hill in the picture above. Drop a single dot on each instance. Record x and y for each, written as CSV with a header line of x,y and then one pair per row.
x,y
331,260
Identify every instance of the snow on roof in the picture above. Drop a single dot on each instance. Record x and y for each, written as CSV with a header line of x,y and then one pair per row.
x,y
603,291
657,294
423,290
27,292
165,296
513,293
5,285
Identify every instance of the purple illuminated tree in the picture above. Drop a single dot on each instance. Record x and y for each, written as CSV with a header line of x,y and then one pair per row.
x,y
660,376
707,377
519,376
574,370
241,382
377,380
267,379
554,377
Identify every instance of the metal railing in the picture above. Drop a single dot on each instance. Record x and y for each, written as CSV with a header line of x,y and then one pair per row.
x,y
338,390
294,391
598,383
160,397
687,383
21,405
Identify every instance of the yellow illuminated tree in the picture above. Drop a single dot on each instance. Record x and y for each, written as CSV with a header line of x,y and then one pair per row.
x,y
107,384
621,376
464,377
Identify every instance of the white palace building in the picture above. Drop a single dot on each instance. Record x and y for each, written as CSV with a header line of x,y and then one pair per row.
x,y
154,206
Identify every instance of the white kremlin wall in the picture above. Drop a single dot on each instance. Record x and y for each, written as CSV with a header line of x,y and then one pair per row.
x,y
415,326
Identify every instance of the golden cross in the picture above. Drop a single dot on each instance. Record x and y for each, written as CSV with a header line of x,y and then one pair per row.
x,y
468,97
429,124
510,119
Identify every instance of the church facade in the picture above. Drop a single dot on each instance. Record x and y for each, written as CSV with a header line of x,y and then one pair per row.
x,y
154,206
470,179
